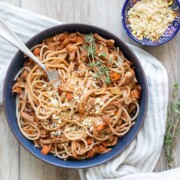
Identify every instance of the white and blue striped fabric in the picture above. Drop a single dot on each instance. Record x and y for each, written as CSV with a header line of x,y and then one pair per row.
x,y
138,161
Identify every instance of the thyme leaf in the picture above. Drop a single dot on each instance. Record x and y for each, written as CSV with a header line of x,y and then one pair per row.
x,y
172,127
90,47
102,54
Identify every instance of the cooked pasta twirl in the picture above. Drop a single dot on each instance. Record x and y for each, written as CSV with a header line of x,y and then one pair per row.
x,y
96,102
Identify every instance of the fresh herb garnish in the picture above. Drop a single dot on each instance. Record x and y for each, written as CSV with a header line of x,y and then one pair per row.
x,y
102,71
93,64
108,80
90,45
110,60
173,126
102,54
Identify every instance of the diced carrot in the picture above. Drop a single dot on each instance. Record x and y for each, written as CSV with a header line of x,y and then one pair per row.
x,y
69,96
80,40
89,141
45,150
115,76
81,111
100,149
17,90
36,51
104,143
29,131
100,127
116,112
91,153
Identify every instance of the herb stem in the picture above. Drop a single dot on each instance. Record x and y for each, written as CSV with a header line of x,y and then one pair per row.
x,y
102,72
173,126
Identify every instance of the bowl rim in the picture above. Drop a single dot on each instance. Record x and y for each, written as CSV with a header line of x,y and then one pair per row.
x,y
93,163
132,37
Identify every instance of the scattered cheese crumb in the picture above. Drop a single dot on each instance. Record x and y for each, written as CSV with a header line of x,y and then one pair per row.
x,y
54,102
56,133
87,122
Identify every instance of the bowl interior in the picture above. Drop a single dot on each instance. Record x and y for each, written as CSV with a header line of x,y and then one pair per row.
x,y
170,32
10,99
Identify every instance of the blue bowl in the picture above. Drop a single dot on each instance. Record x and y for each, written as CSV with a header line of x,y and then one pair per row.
x,y
171,31
10,99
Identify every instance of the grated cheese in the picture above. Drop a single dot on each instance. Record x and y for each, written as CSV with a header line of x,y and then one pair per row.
x,y
99,122
91,129
44,85
87,122
150,18
54,116
54,102
56,133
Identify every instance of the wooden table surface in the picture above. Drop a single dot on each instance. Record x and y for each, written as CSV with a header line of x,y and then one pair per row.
x,y
18,164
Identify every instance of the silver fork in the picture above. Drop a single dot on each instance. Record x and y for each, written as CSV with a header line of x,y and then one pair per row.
x,y
10,36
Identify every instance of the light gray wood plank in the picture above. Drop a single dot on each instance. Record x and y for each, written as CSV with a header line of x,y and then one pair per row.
x,y
12,2
34,169
9,146
177,155
9,151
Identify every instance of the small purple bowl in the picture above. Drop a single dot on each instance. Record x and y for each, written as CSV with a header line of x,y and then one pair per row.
x,y
170,32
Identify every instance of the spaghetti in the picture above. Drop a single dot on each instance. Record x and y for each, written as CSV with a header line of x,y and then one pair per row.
x,y
95,103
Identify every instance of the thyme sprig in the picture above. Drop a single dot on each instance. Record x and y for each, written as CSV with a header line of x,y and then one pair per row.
x,y
102,54
102,71
172,127
90,47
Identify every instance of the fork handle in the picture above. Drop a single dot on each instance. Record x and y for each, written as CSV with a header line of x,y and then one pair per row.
x,y
10,36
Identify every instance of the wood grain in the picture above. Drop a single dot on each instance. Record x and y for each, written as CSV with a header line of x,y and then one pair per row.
x,y
34,169
9,151
20,164
9,146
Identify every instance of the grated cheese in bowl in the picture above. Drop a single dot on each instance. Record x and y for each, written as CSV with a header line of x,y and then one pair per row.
x,y
150,18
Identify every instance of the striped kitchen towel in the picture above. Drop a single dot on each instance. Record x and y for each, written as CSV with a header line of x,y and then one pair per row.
x,y
138,160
